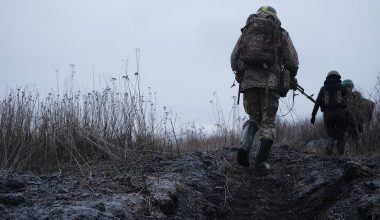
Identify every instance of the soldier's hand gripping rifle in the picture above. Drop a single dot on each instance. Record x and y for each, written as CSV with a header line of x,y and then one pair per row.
x,y
233,84
302,90
239,75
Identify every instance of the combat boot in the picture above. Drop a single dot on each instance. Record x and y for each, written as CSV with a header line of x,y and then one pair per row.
x,y
263,154
330,146
249,130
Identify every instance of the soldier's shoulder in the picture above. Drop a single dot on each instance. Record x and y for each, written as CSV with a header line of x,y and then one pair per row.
x,y
322,89
285,34
357,94
250,17
284,31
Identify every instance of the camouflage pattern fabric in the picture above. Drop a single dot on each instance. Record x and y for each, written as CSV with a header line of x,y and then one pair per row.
x,y
355,123
261,106
368,107
260,40
260,84
262,77
354,105
360,115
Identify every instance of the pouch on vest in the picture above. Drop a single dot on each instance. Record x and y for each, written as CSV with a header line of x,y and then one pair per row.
x,y
332,98
284,82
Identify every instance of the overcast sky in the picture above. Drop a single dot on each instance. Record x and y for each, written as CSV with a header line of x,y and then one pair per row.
x,y
185,45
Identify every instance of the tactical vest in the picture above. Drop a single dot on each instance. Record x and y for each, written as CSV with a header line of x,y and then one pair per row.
x,y
332,97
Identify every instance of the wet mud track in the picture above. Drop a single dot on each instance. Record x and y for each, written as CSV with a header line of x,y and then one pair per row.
x,y
201,185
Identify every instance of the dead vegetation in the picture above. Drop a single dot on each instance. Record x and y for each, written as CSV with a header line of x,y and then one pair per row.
x,y
46,133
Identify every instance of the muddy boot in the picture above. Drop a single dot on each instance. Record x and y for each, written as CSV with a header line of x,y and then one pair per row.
x,y
249,130
263,154
340,146
330,146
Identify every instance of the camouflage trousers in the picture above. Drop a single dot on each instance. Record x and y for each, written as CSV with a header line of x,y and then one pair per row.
x,y
262,106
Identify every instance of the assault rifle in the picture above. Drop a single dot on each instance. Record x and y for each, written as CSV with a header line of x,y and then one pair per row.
x,y
302,90
238,96
233,84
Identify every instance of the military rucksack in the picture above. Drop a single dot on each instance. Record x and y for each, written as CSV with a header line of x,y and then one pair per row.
x,y
367,110
332,96
260,40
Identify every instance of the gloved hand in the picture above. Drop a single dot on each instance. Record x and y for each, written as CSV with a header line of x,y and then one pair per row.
x,y
239,77
312,119
293,84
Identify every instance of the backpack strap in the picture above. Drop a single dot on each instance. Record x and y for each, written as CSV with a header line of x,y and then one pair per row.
x,y
338,97
326,97
249,21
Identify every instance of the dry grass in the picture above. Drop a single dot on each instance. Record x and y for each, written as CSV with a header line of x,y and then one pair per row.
x,y
118,122
47,133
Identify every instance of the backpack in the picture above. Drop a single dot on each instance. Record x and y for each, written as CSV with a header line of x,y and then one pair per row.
x,y
367,110
260,41
332,96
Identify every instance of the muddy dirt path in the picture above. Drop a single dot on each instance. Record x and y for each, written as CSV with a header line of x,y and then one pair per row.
x,y
202,185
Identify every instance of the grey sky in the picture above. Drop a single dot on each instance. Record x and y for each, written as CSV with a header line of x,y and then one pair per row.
x,y
185,45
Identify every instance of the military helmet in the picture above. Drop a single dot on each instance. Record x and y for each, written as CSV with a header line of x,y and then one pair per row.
x,y
267,9
348,83
333,72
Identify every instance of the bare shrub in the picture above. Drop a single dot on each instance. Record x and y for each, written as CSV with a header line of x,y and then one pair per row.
x,y
45,133
370,136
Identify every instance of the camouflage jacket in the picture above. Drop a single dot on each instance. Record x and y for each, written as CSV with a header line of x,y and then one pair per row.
x,y
260,77
360,108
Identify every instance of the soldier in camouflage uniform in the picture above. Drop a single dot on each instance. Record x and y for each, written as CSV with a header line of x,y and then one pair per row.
x,y
360,112
259,84
332,99
355,122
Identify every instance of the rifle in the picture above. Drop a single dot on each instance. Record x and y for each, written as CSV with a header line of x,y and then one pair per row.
x,y
233,84
302,90
238,96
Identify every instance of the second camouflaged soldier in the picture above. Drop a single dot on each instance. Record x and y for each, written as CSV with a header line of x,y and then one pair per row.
x,y
355,121
332,99
262,52
360,112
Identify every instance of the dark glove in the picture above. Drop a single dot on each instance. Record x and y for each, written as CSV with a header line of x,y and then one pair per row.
x,y
312,119
239,77
293,84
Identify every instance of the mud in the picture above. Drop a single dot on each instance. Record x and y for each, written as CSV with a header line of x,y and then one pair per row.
x,y
201,185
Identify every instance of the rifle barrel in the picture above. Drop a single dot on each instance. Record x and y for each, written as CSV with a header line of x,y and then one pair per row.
x,y
302,90
238,98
